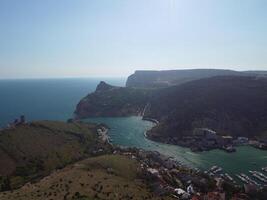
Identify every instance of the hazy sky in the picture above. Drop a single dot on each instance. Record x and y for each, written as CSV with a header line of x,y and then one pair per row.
x,y
59,38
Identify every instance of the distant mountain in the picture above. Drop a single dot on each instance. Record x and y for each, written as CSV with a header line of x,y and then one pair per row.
x,y
165,78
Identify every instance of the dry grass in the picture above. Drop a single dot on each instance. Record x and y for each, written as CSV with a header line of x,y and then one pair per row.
x,y
40,147
88,180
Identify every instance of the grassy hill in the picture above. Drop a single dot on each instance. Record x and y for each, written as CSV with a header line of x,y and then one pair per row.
x,y
35,149
89,179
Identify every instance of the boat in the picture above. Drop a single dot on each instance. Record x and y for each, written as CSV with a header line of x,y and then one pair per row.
x,y
242,179
229,177
264,169
259,176
250,181
213,168
219,169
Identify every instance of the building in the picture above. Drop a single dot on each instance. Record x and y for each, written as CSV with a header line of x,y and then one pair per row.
x,y
227,140
206,132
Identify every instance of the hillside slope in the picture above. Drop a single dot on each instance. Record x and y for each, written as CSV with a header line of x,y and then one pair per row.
x,y
35,149
229,105
90,180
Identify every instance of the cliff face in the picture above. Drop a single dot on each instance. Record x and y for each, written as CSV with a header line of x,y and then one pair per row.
x,y
158,79
108,100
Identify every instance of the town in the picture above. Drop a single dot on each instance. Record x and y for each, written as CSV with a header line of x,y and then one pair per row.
x,y
204,139
166,176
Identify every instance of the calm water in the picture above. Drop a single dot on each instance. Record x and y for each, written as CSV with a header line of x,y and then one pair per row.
x,y
130,132
55,99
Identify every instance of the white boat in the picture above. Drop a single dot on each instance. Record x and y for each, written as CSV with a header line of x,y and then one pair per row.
x,y
241,178
229,177
249,179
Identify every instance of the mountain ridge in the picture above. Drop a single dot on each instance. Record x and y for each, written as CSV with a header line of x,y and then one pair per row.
x,y
166,78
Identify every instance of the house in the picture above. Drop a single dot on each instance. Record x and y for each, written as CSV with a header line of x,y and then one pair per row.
x,y
227,140
153,171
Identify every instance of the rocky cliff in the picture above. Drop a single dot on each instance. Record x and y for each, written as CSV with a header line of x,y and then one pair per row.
x,y
109,100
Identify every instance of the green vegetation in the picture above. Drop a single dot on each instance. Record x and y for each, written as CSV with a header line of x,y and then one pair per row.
x,y
229,105
113,101
32,150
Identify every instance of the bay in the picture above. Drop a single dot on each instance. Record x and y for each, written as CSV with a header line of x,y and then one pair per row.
x,y
55,99
129,132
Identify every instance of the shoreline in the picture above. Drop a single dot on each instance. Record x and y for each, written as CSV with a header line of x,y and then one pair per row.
x,y
194,148
150,120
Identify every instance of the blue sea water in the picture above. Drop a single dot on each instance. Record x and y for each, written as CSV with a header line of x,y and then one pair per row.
x,y
51,99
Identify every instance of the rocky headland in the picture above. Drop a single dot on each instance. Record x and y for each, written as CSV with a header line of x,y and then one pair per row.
x,y
233,107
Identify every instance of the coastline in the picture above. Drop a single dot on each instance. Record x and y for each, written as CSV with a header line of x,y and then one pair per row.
x,y
151,120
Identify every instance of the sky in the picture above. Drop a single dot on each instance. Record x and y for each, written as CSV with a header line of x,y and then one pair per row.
x,y
113,38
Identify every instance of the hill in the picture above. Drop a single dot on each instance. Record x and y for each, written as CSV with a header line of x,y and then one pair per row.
x,y
88,180
229,105
29,151
57,160
114,101
166,78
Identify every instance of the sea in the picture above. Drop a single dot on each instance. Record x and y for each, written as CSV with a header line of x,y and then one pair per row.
x,y
56,99
45,99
